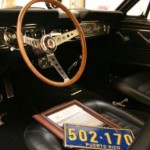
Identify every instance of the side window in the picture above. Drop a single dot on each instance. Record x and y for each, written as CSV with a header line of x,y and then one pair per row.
x,y
148,17
139,9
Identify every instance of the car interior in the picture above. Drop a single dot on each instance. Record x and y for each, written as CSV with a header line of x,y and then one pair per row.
x,y
51,56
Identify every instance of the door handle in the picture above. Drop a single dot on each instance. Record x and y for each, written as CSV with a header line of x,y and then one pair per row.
x,y
125,38
143,37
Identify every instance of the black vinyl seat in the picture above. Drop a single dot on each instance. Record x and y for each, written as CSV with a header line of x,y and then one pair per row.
x,y
38,138
142,140
136,86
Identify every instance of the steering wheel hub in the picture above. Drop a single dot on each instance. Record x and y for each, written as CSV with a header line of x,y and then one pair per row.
x,y
48,44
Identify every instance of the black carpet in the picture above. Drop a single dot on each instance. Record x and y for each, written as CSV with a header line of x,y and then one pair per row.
x,y
11,132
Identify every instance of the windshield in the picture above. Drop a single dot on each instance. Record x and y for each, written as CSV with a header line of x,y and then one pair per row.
x,y
92,4
102,4
14,3
71,4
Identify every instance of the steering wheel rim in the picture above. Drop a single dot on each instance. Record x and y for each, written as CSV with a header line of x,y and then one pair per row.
x,y
26,58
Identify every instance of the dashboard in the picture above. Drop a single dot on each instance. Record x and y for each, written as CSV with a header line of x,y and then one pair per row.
x,y
8,37
39,21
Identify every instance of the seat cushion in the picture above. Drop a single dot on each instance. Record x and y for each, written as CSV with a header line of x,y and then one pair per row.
x,y
141,140
118,116
136,86
38,138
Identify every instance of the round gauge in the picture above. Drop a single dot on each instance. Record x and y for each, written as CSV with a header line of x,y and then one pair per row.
x,y
10,36
38,34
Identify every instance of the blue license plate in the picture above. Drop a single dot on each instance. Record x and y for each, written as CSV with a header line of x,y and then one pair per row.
x,y
97,138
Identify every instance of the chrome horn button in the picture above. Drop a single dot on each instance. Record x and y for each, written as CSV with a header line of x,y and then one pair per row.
x,y
48,44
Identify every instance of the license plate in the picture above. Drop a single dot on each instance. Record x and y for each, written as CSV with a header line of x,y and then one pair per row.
x,y
97,138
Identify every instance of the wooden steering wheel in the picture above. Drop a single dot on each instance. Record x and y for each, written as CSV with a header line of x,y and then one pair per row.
x,y
49,44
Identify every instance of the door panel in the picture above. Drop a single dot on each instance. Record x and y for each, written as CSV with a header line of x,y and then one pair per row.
x,y
131,43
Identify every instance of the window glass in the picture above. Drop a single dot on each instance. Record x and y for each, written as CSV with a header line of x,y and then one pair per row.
x,y
93,4
139,9
24,2
102,4
12,3
71,4
148,17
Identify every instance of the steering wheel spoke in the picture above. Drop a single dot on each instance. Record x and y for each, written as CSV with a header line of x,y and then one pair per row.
x,y
35,43
65,37
54,62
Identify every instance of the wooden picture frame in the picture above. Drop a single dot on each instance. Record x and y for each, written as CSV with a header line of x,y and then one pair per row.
x,y
53,118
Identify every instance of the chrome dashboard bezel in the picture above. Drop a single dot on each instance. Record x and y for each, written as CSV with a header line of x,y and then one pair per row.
x,y
32,28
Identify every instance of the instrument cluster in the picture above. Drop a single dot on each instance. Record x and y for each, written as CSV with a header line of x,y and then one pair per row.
x,y
8,37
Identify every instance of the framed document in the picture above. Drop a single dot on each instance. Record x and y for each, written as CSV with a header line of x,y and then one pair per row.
x,y
73,112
